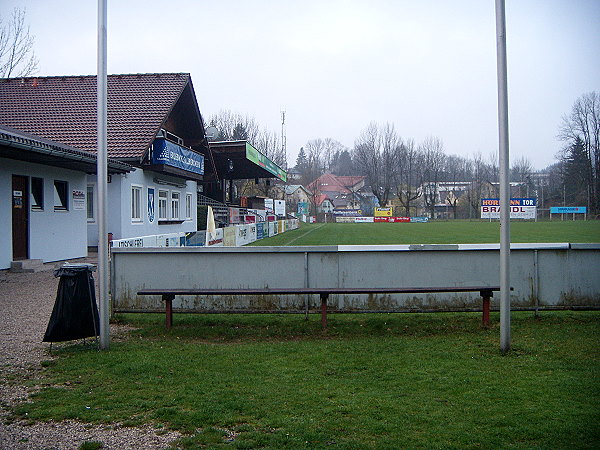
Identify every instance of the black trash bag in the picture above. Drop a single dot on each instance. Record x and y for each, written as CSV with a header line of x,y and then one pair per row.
x,y
75,313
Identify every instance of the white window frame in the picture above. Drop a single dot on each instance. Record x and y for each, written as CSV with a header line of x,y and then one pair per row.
x,y
163,208
189,198
37,203
136,206
59,203
175,204
90,197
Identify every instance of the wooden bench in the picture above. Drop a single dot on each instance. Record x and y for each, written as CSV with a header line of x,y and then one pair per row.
x,y
168,295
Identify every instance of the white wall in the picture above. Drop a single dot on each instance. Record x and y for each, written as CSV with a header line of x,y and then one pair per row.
x,y
53,235
120,223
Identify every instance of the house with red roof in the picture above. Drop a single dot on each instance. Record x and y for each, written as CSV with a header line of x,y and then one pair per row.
x,y
154,128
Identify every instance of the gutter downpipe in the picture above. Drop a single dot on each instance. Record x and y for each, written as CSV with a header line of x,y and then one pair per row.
x,y
504,168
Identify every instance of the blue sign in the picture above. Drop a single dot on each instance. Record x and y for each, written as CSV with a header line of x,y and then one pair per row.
x,y
568,210
151,205
170,154
260,231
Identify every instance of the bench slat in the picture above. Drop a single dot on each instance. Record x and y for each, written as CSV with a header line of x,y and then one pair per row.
x,y
278,291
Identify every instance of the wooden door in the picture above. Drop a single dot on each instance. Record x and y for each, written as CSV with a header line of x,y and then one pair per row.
x,y
20,217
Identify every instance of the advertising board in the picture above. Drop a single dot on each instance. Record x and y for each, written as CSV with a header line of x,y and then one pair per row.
x,y
520,208
399,219
195,239
215,239
568,210
419,219
279,207
270,205
364,219
383,212
229,236
347,212
252,233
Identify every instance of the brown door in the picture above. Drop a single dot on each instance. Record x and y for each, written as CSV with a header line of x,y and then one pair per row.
x,y
20,217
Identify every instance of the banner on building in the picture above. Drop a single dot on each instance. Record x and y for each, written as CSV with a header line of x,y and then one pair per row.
x,y
171,154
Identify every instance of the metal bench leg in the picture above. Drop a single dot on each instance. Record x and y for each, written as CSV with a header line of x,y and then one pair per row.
x,y
168,299
324,298
486,295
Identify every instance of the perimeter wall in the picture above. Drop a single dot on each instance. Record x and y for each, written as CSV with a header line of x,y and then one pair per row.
x,y
541,274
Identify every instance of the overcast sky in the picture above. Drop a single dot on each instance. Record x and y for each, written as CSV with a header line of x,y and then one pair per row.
x,y
427,66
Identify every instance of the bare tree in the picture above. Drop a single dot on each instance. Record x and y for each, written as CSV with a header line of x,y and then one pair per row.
x,y
376,157
432,150
584,124
17,58
521,172
331,149
314,168
233,126
410,174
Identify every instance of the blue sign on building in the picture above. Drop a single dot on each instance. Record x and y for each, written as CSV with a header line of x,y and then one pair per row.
x,y
171,154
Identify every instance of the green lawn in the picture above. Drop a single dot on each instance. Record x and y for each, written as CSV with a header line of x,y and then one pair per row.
x,y
370,381
451,232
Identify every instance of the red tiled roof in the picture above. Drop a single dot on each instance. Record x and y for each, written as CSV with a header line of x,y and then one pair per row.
x,y
63,109
321,198
329,182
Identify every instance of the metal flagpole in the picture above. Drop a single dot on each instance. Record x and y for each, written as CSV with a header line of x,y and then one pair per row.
x,y
504,185
102,178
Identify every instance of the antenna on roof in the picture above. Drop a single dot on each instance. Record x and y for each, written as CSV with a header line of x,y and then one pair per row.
x,y
283,138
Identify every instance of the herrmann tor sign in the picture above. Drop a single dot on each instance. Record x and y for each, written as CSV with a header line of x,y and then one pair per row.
x,y
520,208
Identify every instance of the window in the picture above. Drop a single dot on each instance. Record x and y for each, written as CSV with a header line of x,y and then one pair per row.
x,y
174,205
136,203
163,197
61,198
188,206
91,217
37,193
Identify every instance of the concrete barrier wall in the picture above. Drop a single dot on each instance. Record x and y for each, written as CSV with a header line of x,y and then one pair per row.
x,y
544,274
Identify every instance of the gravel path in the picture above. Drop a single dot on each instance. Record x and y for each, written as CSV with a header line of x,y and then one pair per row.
x,y
26,301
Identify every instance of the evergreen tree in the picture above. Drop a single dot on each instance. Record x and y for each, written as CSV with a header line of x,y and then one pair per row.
x,y
239,133
577,174
301,160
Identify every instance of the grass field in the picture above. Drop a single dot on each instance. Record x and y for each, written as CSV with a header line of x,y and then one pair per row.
x,y
376,381
452,232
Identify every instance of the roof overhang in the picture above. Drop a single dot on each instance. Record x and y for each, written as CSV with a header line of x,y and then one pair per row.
x,y
240,160
23,147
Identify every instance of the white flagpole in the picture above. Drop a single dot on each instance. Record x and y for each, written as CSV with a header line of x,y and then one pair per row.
x,y
504,185
103,270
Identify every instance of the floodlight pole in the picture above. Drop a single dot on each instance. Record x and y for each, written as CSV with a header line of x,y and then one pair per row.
x,y
504,185
102,178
